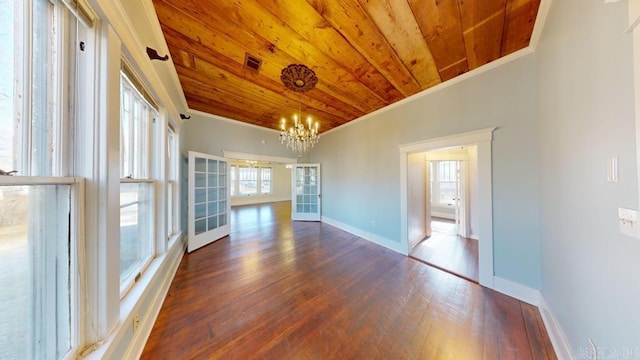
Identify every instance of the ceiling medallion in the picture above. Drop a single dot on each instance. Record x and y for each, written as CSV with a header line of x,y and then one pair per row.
x,y
298,78
298,137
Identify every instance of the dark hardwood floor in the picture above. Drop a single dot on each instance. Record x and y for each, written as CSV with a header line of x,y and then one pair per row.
x,y
277,289
448,251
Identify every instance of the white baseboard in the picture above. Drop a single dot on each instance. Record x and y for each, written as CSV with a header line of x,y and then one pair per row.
x,y
518,291
534,297
253,200
376,239
556,334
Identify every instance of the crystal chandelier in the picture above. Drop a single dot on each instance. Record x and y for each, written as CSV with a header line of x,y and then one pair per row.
x,y
303,135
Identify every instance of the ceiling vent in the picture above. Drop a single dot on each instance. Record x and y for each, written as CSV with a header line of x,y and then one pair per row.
x,y
252,63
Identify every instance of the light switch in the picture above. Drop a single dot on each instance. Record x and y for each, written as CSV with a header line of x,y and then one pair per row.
x,y
628,222
612,169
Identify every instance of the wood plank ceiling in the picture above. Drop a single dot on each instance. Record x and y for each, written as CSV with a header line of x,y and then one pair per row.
x,y
367,54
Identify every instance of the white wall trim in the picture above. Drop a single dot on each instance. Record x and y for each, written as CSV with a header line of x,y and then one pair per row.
x,y
232,121
253,200
556,334
534,297
458,79
482,139
376,239
163,48
258,157
466,138
541,19
117,17
516,290
154,284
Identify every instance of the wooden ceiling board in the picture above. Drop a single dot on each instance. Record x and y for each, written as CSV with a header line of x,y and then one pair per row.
x,y
519,22
439,21
337,83
482,26
270,70
367,54
271,114
355,25
316,30
398,25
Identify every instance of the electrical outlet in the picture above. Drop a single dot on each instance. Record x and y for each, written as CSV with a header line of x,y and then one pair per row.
x,y
136,323
373,224
593,350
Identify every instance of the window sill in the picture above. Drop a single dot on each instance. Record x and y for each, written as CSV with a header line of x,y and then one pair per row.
x,y
140,301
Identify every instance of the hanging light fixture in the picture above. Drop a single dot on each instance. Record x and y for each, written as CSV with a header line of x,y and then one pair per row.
x,y
303,134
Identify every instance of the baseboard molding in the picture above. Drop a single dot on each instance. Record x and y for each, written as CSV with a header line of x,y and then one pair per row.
x,y
376,239
516,290
241,201
535,297
556,334
146,301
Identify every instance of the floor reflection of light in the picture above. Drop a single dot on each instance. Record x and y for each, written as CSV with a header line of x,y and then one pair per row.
x,y
251,263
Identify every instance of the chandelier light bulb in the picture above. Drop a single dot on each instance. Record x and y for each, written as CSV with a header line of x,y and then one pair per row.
x,y
299,138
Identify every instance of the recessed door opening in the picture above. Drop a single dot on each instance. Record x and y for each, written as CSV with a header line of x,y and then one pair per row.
x,y
473,216
449,219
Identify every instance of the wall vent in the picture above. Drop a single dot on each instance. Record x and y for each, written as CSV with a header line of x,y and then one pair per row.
x,y
252,63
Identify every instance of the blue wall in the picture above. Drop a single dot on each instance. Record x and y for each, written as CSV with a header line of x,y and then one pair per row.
x,y
361,162
591,273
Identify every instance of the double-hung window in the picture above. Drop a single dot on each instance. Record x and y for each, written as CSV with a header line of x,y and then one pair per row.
x,y
444,182
172,182
251,180
38,200
136,185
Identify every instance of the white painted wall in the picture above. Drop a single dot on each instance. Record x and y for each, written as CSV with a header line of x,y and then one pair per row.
x,y
586,114
212,135
417,198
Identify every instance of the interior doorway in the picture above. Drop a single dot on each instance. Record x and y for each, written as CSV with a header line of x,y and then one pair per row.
x,y
450,212
414,214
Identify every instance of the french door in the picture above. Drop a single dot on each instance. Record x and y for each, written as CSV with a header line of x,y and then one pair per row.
x,y
306,199
209,199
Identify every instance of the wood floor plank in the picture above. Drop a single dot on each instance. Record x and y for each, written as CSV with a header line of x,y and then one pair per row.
x,y
277,289
539,341
449,252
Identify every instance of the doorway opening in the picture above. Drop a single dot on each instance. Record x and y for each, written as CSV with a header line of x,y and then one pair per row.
x,y
413,214
450,209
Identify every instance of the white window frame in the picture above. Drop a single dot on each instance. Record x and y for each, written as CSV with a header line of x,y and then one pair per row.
x,y
173,183
142,167
234,173
435,184
61,101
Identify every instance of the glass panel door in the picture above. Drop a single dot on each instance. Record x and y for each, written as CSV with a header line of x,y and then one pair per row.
x,y
305,202
209,203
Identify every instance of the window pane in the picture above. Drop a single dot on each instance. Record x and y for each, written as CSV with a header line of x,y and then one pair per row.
x,y
136,243
35,316
248,183
233,180
136,117
7,81
265,181
43,101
